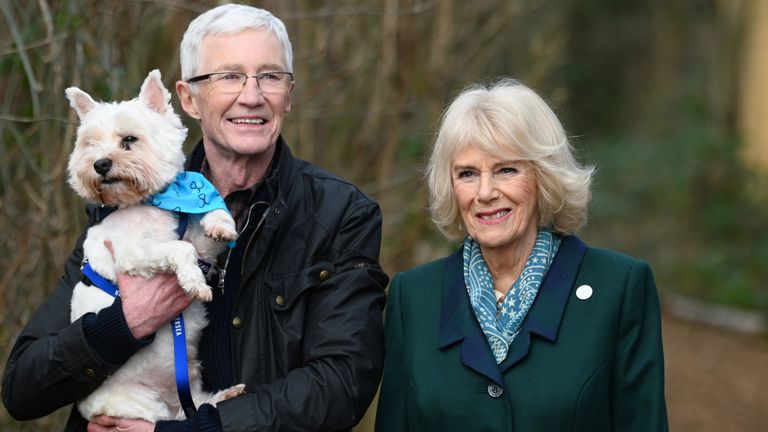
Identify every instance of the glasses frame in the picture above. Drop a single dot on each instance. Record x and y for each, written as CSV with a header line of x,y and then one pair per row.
x,y
257,77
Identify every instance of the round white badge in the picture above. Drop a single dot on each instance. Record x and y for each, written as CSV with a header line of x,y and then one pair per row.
x,y
584,292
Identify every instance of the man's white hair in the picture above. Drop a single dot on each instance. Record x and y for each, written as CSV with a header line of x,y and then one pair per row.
x,y
228,19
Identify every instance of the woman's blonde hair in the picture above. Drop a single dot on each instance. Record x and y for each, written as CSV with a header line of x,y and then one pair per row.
x,y
508,119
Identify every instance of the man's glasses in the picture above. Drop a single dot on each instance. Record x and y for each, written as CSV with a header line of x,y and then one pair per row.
x,y
234,82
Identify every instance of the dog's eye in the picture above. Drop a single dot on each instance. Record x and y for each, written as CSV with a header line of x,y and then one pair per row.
x,y
128,141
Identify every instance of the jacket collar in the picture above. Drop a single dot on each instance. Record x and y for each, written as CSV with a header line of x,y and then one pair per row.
x,y
458,323
276,182
280,181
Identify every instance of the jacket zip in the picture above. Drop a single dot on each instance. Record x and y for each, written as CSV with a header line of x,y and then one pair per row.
x,y
223,270
235,359
250,240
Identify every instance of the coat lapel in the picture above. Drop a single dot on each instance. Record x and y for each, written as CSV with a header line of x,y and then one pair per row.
x,y
547,310
458,323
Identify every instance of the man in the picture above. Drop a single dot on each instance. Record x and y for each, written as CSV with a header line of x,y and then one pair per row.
x,y
296,313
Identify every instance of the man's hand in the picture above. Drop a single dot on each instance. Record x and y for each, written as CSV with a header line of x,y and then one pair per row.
x,y
112,424
149,304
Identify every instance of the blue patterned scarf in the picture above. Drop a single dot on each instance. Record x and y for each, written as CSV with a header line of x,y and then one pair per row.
x,y
501,326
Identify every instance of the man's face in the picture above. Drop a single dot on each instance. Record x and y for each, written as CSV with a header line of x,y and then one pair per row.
x,y
245,123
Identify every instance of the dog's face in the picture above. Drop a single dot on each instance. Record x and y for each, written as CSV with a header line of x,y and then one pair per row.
x,y
126,152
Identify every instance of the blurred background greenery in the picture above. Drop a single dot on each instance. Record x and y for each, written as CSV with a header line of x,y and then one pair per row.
x,y
666,97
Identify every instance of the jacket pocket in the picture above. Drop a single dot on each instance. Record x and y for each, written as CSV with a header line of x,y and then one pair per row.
x,y
285,289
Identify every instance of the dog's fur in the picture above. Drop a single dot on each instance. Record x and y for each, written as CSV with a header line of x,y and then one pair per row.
x,y
142,139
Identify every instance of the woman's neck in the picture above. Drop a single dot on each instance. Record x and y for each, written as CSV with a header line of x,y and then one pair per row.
x,y
507,263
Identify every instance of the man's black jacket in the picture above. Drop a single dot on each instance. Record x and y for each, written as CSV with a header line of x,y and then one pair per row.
x,y
306,338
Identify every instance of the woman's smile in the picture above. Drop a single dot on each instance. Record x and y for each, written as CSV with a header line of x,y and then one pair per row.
x,y
494,217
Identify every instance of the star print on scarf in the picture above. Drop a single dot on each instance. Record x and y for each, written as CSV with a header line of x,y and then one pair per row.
x,y
502,326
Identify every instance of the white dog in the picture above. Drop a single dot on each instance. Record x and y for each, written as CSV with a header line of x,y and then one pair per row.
x,y
125,154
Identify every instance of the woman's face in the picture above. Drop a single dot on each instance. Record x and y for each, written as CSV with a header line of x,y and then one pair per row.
x,y
497,198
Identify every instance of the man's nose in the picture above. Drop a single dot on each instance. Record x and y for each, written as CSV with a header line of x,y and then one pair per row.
x,y
251,92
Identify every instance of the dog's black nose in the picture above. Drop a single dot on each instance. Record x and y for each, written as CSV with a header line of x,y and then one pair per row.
x,y
102,166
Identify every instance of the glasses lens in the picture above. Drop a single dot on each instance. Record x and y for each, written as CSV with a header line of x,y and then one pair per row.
x,y
274,81
233,82
229,82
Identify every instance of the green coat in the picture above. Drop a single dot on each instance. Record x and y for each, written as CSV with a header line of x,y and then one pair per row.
x,y
586,365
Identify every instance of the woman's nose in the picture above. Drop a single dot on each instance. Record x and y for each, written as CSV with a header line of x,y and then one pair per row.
x,y
487,188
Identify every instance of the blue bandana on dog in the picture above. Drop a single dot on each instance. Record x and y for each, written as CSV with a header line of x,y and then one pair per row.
x,y
189,193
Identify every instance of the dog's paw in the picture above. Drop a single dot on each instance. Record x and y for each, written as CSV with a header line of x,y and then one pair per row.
x,y
202,293
221,233
195,288
219,226
229,393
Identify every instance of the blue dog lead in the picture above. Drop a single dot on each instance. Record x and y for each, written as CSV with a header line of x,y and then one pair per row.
x,y
181,367
91,277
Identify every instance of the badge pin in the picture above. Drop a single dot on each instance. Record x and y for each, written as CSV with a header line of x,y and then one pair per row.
x,y
584,292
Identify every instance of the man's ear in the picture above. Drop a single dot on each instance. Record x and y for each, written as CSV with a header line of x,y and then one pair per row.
x,y
288,98
184,92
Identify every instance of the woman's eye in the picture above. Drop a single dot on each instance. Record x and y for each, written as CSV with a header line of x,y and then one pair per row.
x,y
508,171
464,174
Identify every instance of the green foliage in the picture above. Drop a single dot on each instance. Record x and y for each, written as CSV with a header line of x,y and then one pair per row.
x,y
681,201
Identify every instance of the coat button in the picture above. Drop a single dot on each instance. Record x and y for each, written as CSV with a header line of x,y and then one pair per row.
x,y
280,300
237,322
324,275
495,390
89,373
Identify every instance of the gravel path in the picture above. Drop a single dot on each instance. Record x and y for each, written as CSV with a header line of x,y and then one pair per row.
x,y
716,380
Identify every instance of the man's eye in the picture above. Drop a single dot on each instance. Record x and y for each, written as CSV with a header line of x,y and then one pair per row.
x,y
268,76
224,77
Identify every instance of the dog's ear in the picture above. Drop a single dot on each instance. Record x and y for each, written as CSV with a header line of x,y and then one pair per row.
x,y
80,101
154,94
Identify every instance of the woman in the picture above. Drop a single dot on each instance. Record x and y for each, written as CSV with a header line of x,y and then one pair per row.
x,y
524,328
